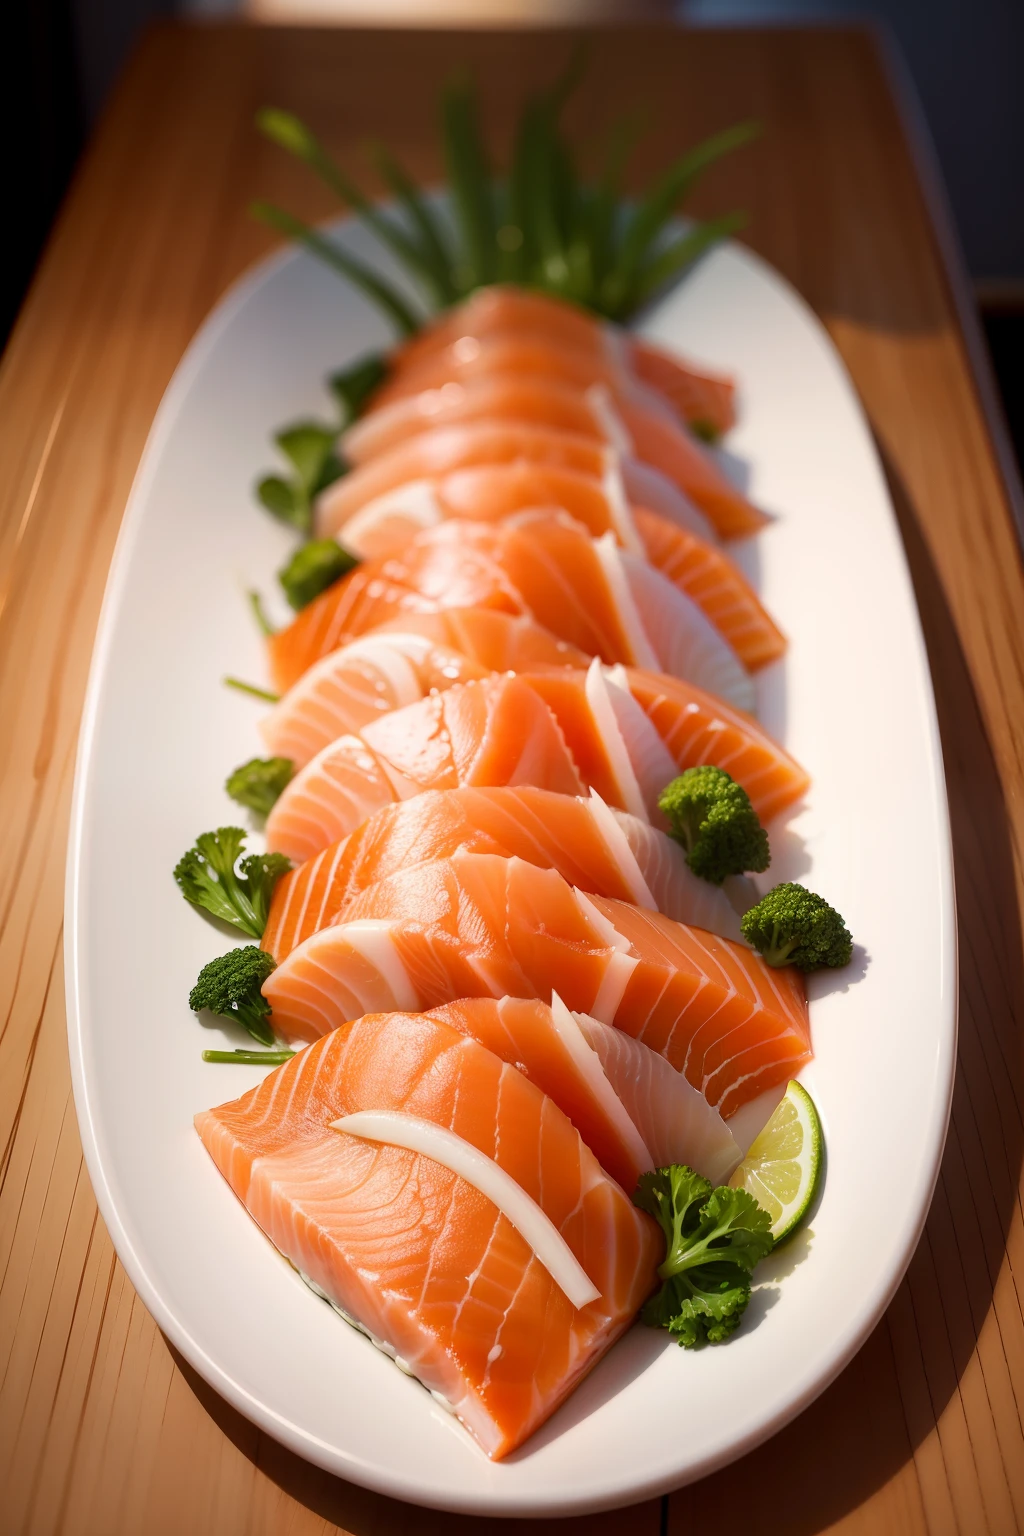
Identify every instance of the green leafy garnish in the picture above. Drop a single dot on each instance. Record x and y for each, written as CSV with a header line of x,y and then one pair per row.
x,y
712,817
249,1058
214,877
263,624
231,986
241,686
310,447
375,288
793,926
541,224
353,386
312,569
258,783
714,1238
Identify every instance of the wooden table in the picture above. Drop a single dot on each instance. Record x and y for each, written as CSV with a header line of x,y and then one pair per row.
x,y
103,1430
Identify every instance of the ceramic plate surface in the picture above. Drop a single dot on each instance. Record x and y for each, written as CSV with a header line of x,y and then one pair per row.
x,y
852,701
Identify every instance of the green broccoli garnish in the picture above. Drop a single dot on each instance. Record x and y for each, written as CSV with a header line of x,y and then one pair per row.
x,y
712,817
259,782
714,1239
793,926
211,877
312,569
232,986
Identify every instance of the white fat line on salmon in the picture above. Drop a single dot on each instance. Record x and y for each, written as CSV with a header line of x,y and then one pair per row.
x,y
617,843
603,711
621,964
606,417
536,1229
618,505
415,502
652,762
573,1037
610,560
373,938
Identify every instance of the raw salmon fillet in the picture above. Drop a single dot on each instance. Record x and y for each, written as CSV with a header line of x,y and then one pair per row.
x,y
491,491
658,442
625,734
480,925
591,845
499,642
549,1047
390,1236
711,580
692,563
358,683
599,598
498,731
616,1092
704,398
623,418
630,732
698,728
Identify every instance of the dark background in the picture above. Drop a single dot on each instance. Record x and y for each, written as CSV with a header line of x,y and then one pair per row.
x,y
966,59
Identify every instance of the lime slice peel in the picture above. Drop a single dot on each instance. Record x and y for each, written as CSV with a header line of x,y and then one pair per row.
x,y
784,1165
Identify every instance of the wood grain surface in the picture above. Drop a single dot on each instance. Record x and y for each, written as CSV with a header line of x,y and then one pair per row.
x,y
103,1431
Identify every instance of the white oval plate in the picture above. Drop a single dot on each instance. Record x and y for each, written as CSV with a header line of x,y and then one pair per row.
x,y
852,701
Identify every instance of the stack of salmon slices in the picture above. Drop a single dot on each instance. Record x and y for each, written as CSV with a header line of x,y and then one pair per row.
x,y
509,994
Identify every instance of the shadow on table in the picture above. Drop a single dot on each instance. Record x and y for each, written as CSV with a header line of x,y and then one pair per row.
x,y
867,1425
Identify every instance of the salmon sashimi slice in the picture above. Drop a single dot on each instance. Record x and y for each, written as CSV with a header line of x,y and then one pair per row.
x,y
549,1046
480,925
613,1089
494,492
624,419
413,1252
523,397
714,583
590,844
499,642
666,450
696,728
491,491
493,732
432,454
707,401
630,732
593,594
701,397
357,684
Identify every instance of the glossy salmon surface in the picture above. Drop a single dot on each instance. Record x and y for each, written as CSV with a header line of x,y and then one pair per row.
x,y
413,1252
590,844
497,731
480,925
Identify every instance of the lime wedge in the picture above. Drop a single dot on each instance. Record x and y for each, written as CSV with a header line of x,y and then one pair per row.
x,y
783,1167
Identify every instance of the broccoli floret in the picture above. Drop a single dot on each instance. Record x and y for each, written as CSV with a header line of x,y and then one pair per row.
x,y
231,986
312,569
712,817
208,878
258,783
793,926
